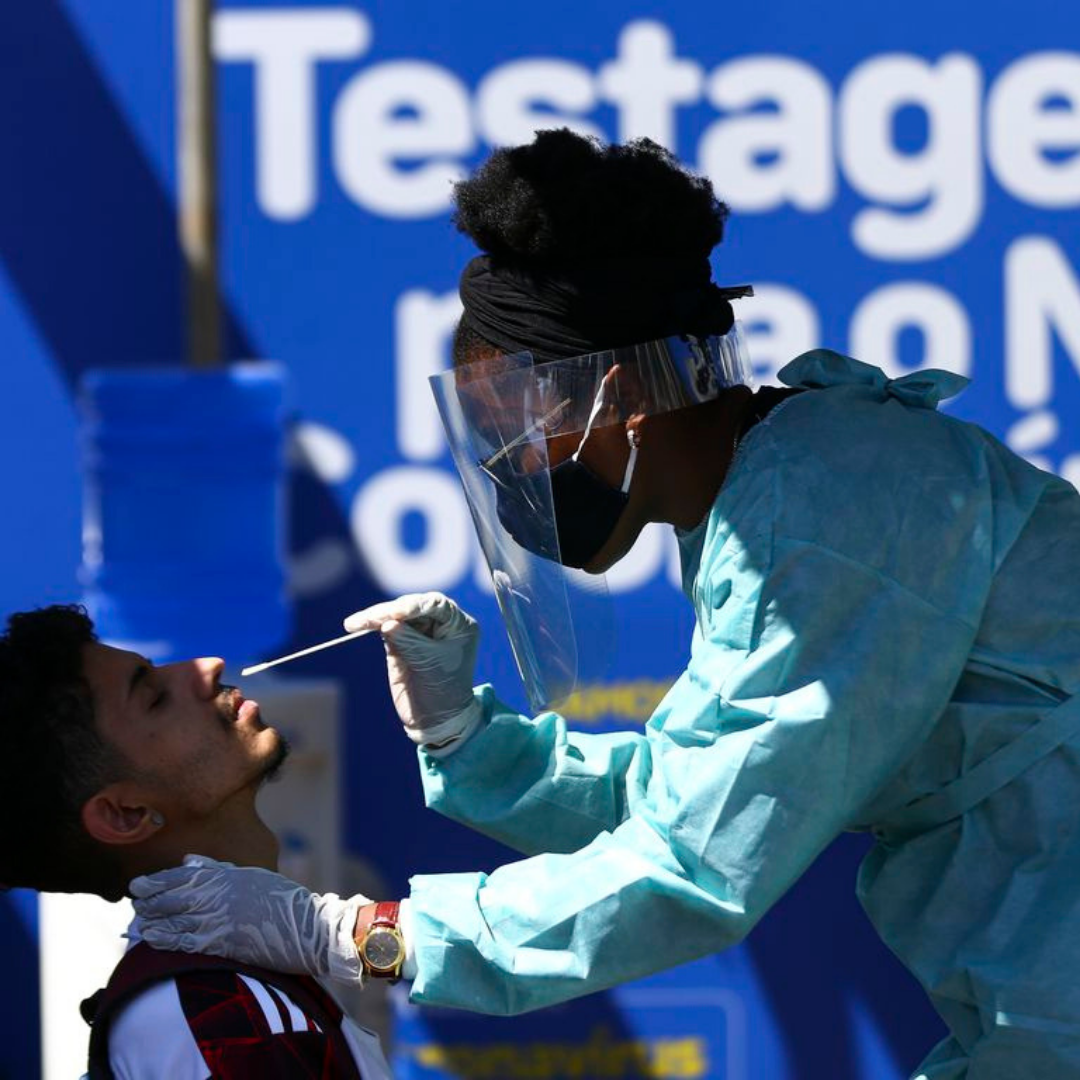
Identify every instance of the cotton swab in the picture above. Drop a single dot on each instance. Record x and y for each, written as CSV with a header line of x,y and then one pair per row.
x,y
256,668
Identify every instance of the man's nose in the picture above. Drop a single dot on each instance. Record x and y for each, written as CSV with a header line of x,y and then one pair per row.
x,y
207,672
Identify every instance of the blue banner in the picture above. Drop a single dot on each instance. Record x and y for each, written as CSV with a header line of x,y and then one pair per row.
x,y
904,183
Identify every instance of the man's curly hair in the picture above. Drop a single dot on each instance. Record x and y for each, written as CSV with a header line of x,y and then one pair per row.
x,y
53,758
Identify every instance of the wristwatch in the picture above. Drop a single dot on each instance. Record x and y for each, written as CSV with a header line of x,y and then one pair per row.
x,y
381,947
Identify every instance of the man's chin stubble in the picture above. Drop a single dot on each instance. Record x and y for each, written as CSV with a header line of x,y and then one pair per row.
x,y
272,769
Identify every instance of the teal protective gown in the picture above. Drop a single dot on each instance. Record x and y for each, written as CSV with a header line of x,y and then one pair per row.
x,y
888,638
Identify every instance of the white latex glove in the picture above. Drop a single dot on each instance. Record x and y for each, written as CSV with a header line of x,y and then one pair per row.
x,y
250,915
430,656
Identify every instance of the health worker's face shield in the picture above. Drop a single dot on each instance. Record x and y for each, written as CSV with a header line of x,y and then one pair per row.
x,y
527,440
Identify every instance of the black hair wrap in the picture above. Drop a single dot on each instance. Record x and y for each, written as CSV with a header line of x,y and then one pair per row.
x,y
589,308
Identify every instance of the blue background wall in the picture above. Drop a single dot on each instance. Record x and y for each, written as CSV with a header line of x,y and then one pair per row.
x,y
904,181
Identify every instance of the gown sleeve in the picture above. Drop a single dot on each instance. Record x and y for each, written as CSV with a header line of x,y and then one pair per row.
x,y
535,785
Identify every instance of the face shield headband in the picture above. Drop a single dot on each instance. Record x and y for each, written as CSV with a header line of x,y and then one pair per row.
x,y
526,440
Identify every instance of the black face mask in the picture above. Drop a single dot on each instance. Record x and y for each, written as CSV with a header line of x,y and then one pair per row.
x,y
586,511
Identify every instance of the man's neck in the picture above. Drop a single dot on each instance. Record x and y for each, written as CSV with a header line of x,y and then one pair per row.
x,y
243,843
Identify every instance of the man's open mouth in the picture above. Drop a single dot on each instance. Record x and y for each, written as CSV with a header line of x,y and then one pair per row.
x,y
235,708
248,710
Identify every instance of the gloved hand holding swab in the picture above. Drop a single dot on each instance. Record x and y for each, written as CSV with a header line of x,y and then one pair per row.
x,y
256,668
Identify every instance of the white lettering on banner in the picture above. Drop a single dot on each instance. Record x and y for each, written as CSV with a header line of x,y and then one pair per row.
x,y
1042,303
1034,129
402,129
778,324
506,100
325,564
641,563
1042,298
285,45
482,574
326,452
1032,434
646,82
912,305
423,328
943,183
401,112
377,519
1035,433
759,160
673,564
320,568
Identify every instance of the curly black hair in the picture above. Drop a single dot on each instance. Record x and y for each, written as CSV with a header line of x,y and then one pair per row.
x,y
53,758
565,198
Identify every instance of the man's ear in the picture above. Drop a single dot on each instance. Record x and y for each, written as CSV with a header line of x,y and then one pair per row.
x,y
118,816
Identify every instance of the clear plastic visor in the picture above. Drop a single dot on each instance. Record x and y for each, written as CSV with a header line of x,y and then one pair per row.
x,y
508,422
528,415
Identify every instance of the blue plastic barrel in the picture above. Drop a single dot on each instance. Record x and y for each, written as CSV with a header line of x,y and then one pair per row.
x,y
183,515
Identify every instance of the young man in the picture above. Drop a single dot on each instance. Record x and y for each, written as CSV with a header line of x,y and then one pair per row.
x,y
114,768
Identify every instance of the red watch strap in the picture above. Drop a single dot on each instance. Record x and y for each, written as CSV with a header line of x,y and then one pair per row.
x,y
387,912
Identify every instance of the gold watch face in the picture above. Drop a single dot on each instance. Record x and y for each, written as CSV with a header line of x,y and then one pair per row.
x,y
383,950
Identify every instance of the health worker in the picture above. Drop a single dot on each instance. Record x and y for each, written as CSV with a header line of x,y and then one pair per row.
x,y
887,638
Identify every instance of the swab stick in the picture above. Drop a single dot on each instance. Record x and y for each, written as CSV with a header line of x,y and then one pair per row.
x,y
256,668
